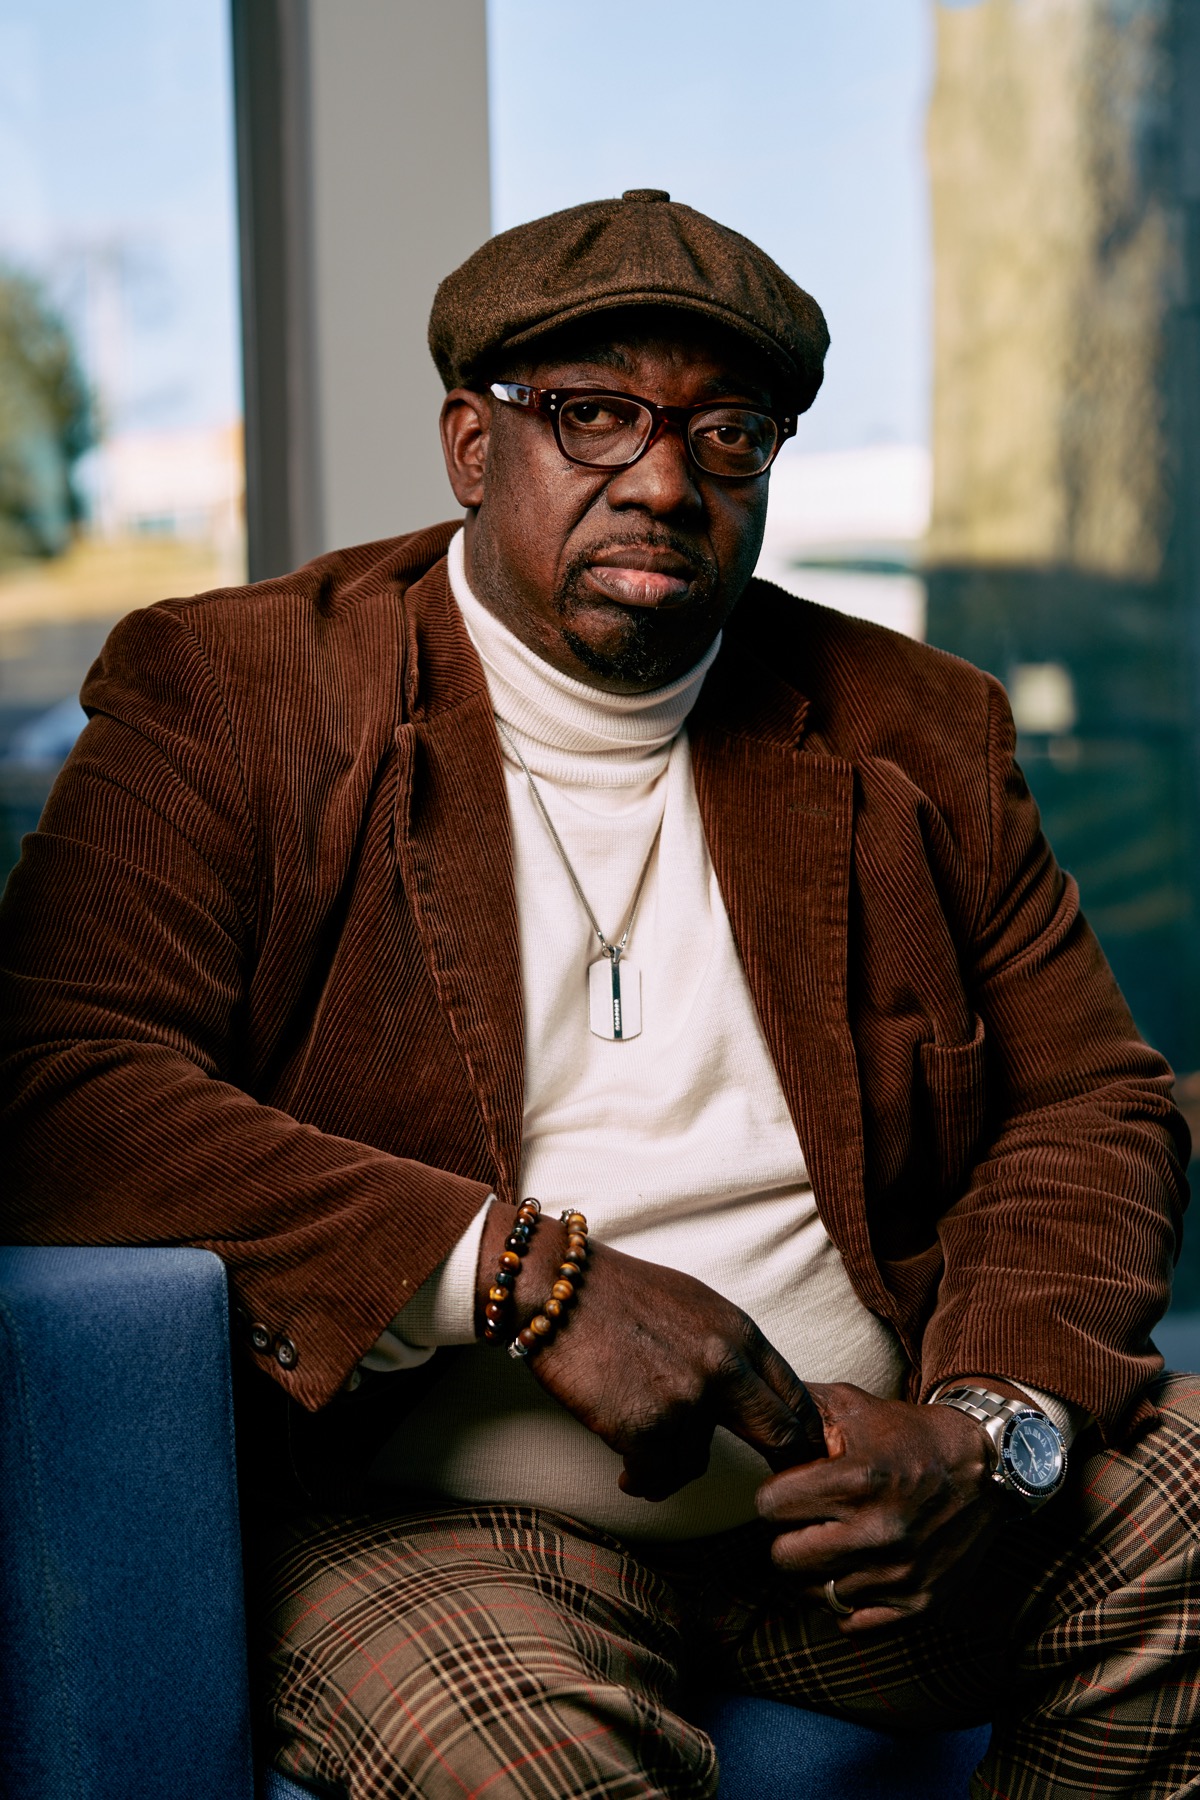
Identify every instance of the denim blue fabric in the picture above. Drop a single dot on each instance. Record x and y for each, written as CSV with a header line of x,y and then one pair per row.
x,y
282,1787
769,1751
124,1665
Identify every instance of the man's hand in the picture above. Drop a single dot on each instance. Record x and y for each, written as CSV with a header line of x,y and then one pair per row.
x,y
900,1508
652,1361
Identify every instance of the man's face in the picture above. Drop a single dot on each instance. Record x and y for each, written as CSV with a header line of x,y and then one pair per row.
x,y
621,578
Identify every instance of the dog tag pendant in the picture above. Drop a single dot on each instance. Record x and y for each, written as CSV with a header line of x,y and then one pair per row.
x,y
615,998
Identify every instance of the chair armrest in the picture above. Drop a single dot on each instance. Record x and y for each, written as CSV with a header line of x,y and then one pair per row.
x,y
121,1603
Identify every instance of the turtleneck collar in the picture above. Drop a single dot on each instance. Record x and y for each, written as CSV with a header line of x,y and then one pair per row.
x,y
566,729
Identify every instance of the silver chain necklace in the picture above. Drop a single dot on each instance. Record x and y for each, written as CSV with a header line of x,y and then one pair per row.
x,y
614,983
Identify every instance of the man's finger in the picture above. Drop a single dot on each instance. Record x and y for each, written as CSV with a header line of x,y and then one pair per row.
x,y
834,1486
757,1415
835,1547
874,1618
783,1381
896,1583
878,1597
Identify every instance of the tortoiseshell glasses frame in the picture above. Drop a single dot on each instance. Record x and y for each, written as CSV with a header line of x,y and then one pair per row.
x,y
635,424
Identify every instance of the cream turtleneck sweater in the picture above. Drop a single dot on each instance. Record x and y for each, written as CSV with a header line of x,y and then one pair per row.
x,y
677,1144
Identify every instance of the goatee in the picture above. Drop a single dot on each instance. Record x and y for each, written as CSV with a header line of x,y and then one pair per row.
x,y
656,646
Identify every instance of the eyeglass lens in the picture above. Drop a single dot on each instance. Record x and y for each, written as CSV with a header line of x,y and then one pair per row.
x,y
608,431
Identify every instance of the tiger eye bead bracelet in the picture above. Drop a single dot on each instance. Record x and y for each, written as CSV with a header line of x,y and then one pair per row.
x,y
500,1293
542,1327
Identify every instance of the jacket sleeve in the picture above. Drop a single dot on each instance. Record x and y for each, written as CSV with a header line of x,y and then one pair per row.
x,y
128,947
1058,1255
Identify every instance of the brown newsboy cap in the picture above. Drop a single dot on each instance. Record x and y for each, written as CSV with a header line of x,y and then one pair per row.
x,y
644,249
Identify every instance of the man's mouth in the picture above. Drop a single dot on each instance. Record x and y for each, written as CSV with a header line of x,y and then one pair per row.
x,y
640,575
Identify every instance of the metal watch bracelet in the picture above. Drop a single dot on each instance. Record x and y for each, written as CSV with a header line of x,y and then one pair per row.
x,y
1030,1459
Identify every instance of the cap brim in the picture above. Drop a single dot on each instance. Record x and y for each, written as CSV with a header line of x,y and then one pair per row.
x,y
802,387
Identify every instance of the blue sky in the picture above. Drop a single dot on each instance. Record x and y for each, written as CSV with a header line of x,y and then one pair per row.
x,y
798,121
116,140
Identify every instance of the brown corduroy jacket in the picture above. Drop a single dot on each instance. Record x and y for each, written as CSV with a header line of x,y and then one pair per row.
x,y
263,991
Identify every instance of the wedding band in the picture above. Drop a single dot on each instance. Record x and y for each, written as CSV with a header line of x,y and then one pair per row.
x,y
836,1606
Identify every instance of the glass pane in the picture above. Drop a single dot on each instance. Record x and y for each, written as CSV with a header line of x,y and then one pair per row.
x,y
120,405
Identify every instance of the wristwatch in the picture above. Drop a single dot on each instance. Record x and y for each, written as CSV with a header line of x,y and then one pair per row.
x,y
1031,1457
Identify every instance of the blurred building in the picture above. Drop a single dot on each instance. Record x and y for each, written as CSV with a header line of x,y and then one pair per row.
x,y
1064,152
183,483
845,528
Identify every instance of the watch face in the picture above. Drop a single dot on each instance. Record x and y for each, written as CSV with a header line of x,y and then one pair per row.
x,y
1033,1455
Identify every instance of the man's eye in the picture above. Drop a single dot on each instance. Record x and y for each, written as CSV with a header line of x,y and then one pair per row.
x,y
737,432
591,413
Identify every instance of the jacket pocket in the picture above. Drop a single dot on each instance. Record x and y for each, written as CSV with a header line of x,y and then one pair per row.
x,y
955,1089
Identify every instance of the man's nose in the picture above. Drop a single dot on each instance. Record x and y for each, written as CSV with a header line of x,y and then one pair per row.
x,y
662,481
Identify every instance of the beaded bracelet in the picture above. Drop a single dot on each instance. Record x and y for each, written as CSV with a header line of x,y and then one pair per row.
x,y
543,1325
500,1293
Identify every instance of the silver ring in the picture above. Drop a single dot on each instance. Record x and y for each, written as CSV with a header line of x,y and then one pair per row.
x,y
836,1606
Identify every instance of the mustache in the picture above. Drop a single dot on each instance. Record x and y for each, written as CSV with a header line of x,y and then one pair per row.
x,y
700,564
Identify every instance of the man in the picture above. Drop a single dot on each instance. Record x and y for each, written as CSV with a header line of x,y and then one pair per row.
x,y
555,856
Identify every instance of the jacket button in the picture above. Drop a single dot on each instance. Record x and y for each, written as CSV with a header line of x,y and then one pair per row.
x,y
286,1353
260,1337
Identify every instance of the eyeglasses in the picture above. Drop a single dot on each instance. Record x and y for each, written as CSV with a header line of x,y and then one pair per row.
x,y
611,431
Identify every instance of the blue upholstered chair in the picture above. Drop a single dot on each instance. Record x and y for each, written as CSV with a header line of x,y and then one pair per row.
x,y
123,1656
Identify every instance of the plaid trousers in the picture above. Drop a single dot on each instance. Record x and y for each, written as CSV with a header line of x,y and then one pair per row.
x,y
455,1651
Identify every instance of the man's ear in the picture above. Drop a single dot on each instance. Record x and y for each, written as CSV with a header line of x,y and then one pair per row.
x,y
466,425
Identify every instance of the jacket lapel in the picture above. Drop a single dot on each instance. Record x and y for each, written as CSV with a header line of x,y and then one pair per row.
x,y
778,813
453,845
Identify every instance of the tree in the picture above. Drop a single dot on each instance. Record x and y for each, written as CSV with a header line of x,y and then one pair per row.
x,y
47,422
